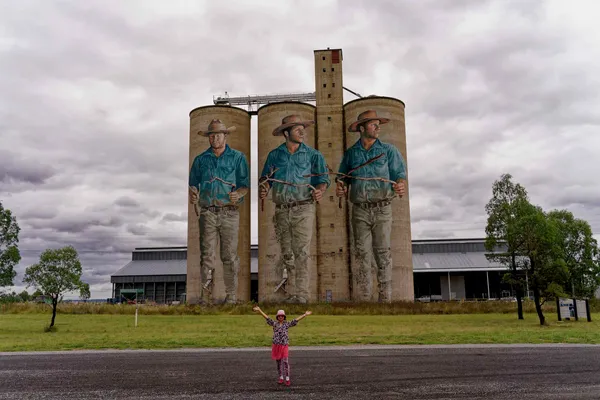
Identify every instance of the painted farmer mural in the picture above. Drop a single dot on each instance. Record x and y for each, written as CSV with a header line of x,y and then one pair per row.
x,y
374,171
218,181
297,175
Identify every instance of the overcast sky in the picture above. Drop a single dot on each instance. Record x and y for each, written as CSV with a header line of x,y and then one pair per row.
x,y
95,97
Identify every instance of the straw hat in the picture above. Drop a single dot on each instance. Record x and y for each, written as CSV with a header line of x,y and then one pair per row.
x,y
289,121
369,115
281,312
216,126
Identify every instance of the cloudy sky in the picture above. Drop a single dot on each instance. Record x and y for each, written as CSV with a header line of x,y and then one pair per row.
x,y
95,96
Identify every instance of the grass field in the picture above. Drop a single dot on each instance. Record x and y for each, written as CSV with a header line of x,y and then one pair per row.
x,y
24,331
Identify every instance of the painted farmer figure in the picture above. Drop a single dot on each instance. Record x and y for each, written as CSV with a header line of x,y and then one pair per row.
x,y
220,175
371,217
295,210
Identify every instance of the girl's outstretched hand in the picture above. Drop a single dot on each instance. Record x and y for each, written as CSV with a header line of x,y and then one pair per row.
x,y
308,312
256,308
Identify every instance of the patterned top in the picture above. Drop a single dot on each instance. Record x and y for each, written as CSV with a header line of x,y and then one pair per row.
x,y
292,168
391,166
231,166
280,332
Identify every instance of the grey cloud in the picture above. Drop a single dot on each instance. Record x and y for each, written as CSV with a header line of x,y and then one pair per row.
x,y
125,201
15,168
137,229
171,217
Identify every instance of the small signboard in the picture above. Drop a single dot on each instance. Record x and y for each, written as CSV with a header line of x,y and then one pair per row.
x,y
568,309
582,309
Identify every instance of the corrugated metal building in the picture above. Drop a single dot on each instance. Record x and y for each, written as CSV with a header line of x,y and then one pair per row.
x,y
443,269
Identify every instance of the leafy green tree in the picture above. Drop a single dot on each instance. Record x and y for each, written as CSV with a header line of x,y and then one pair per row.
x,y
24,295
547,270
58,272
580,252
84,292
9,250
503,240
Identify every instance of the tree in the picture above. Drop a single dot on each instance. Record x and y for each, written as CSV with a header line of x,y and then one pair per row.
x,y
9,250
542,246
24,295
503,209
579,251
84,292
58,272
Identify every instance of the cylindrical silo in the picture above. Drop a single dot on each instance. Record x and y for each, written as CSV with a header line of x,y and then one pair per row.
x,y
270,265
394,133
239,140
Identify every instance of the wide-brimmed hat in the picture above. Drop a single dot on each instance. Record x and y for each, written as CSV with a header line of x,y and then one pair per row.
x,y
281,312
289,121
216,126
365,116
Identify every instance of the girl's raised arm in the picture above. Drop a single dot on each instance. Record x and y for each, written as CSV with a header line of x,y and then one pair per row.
x,y
257,309
303,315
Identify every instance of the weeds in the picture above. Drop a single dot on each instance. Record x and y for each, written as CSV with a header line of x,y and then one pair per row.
x,y
399,308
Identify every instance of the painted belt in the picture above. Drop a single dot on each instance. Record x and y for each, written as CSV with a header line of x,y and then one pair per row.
x,y
294,204
216,209
376,204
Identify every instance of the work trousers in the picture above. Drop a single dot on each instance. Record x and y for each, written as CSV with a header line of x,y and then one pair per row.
x,y
372,231
293,229
220,227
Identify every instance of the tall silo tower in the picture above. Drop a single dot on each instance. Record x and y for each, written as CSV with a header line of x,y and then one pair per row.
x,y
270,270
332,248
200,118
392,132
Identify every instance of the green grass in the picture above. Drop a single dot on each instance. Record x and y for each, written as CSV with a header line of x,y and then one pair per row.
x,y
25,331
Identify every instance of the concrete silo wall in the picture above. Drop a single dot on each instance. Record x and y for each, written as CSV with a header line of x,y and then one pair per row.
x,y
393,133
270,265
200,118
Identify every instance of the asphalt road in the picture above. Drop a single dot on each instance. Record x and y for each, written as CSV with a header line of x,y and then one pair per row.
x,y
373,372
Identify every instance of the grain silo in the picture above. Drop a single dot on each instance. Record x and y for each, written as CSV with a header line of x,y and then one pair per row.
x,y
392,132
238,139
270,267
332,227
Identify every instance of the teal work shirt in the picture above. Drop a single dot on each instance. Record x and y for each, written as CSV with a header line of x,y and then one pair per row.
x,y
231,166
391,166
292,168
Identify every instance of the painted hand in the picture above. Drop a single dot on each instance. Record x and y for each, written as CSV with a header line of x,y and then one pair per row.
x,y
399,188
317,194
262,191
234,197
193,195
341,189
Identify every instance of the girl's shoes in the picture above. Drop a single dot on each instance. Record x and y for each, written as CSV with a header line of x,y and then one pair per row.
x,y
288,383
280,381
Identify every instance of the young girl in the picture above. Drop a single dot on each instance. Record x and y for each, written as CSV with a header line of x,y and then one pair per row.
x,y
279,348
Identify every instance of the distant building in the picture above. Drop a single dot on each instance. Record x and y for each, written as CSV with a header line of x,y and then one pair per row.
x,y
444,269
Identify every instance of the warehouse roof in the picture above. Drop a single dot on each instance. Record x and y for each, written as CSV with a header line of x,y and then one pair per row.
x,y
440,255
444,262
153,267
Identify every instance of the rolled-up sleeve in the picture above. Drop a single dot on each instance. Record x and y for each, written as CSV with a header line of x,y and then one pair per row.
x,y
194,178
319,166
267,168
396,163
242,174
